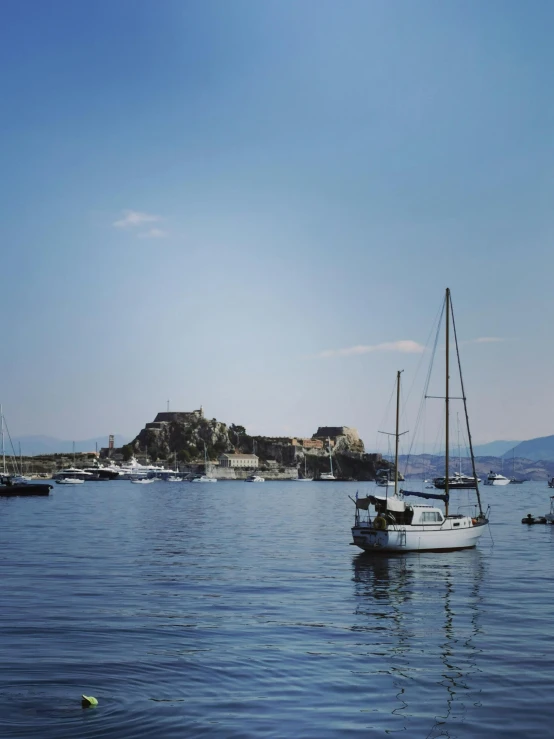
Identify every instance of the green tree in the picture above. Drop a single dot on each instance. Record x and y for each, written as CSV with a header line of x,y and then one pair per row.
x,y
127,452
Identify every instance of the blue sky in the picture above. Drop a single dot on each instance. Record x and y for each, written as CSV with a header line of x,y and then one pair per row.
x,y
205,201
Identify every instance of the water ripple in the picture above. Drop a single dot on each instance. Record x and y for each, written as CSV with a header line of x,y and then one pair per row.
x,y
243,612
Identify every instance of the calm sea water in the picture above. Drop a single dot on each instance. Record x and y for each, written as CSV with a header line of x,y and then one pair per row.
x,y
238,610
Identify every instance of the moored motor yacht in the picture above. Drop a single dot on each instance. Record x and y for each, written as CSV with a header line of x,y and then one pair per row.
x,y
69,481
99,472
72,473
203,478
255,478
134,470
494,478
456,482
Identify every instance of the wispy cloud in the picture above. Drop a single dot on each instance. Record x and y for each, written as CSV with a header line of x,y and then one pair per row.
x,y
488,340
153,233
404,347
134,218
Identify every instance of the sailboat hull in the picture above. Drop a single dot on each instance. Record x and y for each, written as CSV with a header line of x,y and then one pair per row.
x,y
418,538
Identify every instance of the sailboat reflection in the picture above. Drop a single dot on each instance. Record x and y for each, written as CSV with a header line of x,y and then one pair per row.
x,y
421,618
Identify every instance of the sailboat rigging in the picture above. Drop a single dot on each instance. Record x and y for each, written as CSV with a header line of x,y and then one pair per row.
x,y
205,477
513,478
399,526
326,476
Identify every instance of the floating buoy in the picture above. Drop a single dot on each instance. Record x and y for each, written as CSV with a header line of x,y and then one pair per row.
x,y
87,701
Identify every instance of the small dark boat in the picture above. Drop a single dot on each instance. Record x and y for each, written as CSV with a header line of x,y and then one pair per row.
x,y
531,520
9,489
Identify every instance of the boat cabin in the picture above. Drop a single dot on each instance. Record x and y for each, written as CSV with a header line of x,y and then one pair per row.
x,y
397,511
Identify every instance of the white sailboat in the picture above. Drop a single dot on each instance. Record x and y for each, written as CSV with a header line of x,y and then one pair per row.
x,y
328,476
402,527
305,478
204,477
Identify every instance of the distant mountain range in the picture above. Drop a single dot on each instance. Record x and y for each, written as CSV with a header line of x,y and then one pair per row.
x,y
428,466
497,449
540,448
33,445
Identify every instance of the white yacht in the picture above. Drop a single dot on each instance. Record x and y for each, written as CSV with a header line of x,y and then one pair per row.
x,y
69,481
255,478
73,473
401,527
496,479
142,480
134,469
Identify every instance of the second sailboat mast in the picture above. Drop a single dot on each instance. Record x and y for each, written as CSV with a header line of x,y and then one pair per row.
x,y
397,434
446,404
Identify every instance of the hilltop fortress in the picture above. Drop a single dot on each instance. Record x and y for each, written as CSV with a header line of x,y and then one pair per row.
x,y
191,437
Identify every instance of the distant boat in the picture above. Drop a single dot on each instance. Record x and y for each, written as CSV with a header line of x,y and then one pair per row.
x,y
73,473
513,479
69,481
496,479
204,477
305,478
456,482
254,478
328,476
143,480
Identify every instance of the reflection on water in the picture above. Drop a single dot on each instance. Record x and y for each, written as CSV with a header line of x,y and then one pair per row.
x,y
428,607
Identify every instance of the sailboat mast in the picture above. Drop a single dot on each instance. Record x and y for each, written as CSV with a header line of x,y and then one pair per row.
x,y
3,448
473,468
330,455
459,447
397,435
446,404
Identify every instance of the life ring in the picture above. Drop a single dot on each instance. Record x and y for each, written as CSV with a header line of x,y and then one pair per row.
x,y
379,523
474,521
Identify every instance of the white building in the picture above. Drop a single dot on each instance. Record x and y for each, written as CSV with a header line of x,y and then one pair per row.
x,y
239,460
